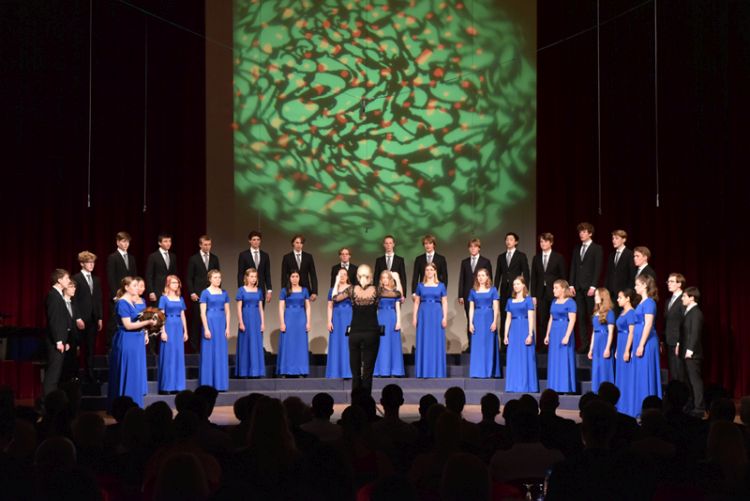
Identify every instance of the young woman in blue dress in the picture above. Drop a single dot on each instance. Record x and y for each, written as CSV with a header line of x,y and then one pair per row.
x,y
294,319
600,352
390,361
646,360
339,319
173,338
214,361
624,372
561,361
484,311
430,318
520,369
251,323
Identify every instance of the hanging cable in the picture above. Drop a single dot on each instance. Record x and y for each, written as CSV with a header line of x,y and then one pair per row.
x,y
598,110
88,171
145,114
656,102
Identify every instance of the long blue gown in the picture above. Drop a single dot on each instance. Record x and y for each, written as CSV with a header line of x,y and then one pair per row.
x,y
520,369
484,360
127,368
390,360
293,358
250,355
647,370
172,353
139,307
625,371
561,359
337,364
430,352
602,369
214,363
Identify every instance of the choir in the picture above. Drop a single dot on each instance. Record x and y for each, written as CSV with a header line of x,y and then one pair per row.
x,y
620,339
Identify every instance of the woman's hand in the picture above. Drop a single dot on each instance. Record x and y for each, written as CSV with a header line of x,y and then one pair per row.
x,y
626,357
226,333
307,327
282,327
241,327
546,340
330,327
471,328
262,326
529,341
207,334
639,352
164,336
493,327
565,340
414,322
444,323
184,336
591,354
505,340
398,326
606,353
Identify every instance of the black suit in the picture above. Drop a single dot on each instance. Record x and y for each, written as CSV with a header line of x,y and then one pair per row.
x,y
647,270
196,282
246,261
116,271
466,282
60,326
88,305
690,339
351,272
421,261
308,278
397,265
620,276
672,325
541,287
584,274
157,271
519,265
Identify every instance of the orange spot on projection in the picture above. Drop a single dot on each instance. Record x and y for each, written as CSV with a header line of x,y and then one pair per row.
x,y
318,186
344,26
305,177
402,121
408,172
332,186
359,24
368,7
452,172
385,72
331,133
374,27
368,39
376,173
365,163
336,49
255,44
465,84
459,45
414,37
277,156
308,35
314,129
438,73
389,136
261,97
279,177
456,59
370,83
296,176
308,55
433,83
325,112
341,146
326,24
377,113
339,197
429,15
344,74
283,140
457,148
400,14
363,73
300,141
253,121
440,46
238,93
471,31
403,83
319,89
457,106
459,5
235,126
359,60
385,8
356,34
322,67
340,118
420,182
406,104
355,82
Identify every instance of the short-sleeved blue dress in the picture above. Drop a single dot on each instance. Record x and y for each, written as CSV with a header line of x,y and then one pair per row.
x,y
647,370
430,352
128,357
520,369
390,361
293,358
214,363
337,363
484,360
561,359
250,356
602,369
172,352
625,371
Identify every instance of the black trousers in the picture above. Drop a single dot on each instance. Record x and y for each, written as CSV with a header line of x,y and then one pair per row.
x,y
195,326
585,309
543,305
55,361
468,333
695,381
111,324
676,365
70,359
363,350
87,342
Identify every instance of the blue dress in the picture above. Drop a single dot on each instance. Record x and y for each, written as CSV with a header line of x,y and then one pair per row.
x,y
602,369
561,359
430,352
484,360
337,365
293,356
214,363
128,357
647,370
250,356
625,371
390,361
520,369
139,307
172,353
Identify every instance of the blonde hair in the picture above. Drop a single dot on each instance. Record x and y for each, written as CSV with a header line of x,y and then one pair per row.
x,y
86,256
430,265
169,279
247,275
476,278
125,282
525,291
565,286
392,281
212,272
604,306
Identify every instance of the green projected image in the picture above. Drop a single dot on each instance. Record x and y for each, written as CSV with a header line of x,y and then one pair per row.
x,y
400,117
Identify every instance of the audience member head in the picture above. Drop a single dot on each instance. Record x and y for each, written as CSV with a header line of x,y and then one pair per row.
x,y
55,454
181,476
726,447
549,401
585,400
511,407
269,432
448,432
609,393
435,411
713,392
363,399
599,420
89,430
297,411
465,476
425,403
120,406
186,425
652,402
189,401
240,409
392,397
676,396
354,422
136,433
745,410
208,394
524,426
529,403
722,409
653,423
322,406
159,419
180,400
490,407
455,399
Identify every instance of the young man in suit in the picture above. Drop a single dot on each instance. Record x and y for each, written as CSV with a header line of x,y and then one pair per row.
x,y
256,258
585,269
690,347
345,257
466,276
391,262
620,274
120,264
197,279
546,267
88,304
641,256
159,265
70,358
673,313
59,328
430,256
511,264
302,262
